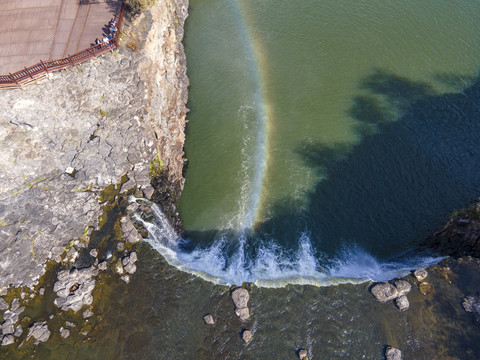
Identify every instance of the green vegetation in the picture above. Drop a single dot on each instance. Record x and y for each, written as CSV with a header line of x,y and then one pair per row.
x,y
470,213
137,6
155,167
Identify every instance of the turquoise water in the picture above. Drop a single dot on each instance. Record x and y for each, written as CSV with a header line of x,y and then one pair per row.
x,y
326,139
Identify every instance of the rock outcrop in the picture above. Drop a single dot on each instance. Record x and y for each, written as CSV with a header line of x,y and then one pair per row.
x,y
81,130
39,331
390,290
240,297
384,292
460,236
74,289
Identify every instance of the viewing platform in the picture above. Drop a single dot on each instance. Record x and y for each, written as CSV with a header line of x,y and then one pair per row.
x,y
33,32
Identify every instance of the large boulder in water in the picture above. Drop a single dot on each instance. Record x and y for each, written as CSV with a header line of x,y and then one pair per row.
x,y
402,303
403,286
240,297
242,313
384,292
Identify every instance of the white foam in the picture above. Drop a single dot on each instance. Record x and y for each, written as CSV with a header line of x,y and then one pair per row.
x,y
272,266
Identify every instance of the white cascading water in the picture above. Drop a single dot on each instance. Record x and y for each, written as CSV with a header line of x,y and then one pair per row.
x,y
272,267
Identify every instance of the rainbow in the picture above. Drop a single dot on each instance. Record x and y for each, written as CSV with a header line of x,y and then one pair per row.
x,y
264,115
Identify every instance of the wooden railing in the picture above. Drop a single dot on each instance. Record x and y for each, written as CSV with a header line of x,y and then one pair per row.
x,y
31,73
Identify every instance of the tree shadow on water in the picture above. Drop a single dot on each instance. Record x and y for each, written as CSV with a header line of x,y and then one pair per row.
x,y
405,177
386,194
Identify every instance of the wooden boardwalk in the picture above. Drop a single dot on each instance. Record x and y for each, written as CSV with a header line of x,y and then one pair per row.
x,y
34,30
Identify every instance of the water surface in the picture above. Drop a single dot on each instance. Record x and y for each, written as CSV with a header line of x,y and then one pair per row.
x,y
326,139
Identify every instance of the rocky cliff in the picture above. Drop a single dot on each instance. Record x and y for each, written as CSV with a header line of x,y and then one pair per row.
x,y
68,137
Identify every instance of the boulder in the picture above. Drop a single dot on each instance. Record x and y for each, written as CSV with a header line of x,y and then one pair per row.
x,y
240,297
403,286
247,336
209,319
8,339
125,278
242,313
148,192
64,333
393,354
20,310
119,267
130,268
15,304
384,292
39,331
420,274
3,304
402,303
303,355
102,266
94,253
8,327
18,331
10,316
87,314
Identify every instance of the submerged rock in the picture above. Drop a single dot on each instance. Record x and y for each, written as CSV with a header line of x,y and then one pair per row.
x,y
425,288
402,303
393,354
472,304
64,333
125,278
420,274
384,292
209,319
247,336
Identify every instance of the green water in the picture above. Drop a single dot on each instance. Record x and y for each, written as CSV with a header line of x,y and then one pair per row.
x,y
306,61
322,123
